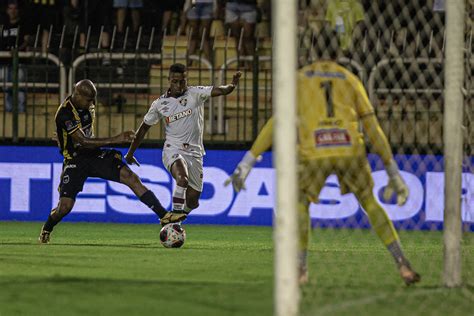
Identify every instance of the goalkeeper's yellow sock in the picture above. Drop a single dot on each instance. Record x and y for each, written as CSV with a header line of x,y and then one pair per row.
x,y
383,227
304,224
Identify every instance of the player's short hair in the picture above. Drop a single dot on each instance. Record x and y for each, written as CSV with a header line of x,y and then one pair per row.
x,y
179,68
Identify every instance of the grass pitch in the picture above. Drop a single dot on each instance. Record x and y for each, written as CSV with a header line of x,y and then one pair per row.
x,y
110,269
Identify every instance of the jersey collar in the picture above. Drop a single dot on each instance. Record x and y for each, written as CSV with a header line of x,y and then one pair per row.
x,y
168,93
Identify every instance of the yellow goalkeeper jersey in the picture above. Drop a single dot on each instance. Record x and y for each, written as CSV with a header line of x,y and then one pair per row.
x,y
331,101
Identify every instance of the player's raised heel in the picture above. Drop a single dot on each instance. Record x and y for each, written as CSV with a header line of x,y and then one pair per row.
x,y
172,217
44,236
409,276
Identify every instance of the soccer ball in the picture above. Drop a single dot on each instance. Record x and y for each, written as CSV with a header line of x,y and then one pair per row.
x,y
172,235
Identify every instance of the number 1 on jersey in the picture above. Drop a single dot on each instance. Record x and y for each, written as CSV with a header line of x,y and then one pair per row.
x,y
327,86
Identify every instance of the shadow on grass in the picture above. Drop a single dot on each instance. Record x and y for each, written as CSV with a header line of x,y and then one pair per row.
x,y
57,279
148,245
152,245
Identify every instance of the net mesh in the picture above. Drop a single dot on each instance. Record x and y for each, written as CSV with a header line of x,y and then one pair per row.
x,y
396,48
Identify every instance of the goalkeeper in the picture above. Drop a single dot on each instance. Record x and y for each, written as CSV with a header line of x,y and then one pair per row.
x,y
331,104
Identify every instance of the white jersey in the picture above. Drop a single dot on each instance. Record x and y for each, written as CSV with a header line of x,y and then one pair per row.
x,y
184,119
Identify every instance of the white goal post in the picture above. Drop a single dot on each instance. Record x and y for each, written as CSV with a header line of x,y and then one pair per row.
x,y
453,140
286,296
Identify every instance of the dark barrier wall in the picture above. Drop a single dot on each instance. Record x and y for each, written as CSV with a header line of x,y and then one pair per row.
x,y
29,178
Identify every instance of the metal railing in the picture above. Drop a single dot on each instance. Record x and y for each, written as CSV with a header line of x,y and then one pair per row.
x,y
418,98
372,90
255,91
126,56
140,62
61,85
34,67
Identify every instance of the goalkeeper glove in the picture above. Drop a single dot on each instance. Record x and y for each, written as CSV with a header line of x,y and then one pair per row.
x,y
395,184
242,171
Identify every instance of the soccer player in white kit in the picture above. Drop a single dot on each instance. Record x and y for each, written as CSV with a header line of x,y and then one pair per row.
x,y
181,108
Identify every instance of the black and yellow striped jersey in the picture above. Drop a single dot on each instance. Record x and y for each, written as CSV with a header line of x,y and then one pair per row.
x,y
68,120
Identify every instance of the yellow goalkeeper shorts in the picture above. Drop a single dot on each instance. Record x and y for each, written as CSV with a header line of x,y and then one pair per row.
x,y
354,175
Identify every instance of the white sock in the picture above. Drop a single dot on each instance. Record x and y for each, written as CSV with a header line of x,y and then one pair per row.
x,y
179,198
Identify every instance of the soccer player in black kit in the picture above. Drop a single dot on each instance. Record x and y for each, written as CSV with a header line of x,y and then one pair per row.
x,y
84,158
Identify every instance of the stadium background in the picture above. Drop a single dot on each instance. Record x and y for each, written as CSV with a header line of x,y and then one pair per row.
x,y
398,54
399,59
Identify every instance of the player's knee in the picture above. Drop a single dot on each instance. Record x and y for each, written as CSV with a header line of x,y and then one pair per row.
x,y
134,179
182,180
128,177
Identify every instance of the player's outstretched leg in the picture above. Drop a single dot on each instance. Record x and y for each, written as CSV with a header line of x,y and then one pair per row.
x,y
384,229
64,207
304,224
129,178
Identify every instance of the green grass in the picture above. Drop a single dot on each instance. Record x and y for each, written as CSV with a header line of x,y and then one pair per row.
x,y
109,269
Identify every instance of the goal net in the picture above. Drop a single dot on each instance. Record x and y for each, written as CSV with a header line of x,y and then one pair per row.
x,y
415,61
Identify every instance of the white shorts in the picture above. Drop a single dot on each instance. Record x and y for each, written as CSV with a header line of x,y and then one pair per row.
x,y
193,165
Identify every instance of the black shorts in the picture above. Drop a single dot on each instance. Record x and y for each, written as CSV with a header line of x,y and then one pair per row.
x,y
105,165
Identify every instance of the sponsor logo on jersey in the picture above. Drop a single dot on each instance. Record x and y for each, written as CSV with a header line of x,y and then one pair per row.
x,y
183,102
177,116
332,137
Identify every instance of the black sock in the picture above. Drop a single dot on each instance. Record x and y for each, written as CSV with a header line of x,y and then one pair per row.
x,y
152,202
50,223
397,253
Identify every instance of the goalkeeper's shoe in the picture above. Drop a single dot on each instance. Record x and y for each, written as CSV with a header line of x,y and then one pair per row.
x,y
409,275
172,217
44,236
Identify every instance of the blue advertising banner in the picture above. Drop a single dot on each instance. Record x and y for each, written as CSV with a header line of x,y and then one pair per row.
x,y
29,177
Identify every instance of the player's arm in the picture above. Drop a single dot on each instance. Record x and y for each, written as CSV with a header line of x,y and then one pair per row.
x,y
79,138
379,142
152,117
226,89
261,144
377,138
139,136
66,121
